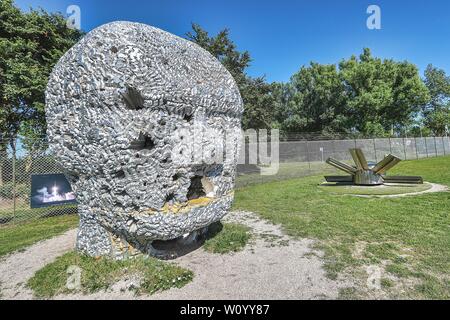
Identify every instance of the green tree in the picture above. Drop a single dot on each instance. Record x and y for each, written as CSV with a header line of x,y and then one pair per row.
x,y
364,95
30,45
221,47
259,102
256,93
438,121
436,114
382,93
314,100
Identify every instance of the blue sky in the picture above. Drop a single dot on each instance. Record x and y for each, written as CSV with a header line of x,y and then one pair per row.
x,y
283,35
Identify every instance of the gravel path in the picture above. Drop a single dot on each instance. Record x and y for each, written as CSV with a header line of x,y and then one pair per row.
x,y
17,268
272,266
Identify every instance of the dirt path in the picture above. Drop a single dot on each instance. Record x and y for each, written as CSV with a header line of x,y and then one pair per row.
x,y
17,268
272,266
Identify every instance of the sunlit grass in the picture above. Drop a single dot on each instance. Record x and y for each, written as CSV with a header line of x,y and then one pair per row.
x,y
227,237
410,233
150,275
18,236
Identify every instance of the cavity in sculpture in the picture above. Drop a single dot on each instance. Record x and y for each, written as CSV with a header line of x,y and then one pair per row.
x,y
367,174
147,126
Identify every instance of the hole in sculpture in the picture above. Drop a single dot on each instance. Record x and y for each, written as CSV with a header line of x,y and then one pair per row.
x,y
119,174
133,98
170,198
144,142
188,117
195,190
176,176
149,144
166,159
208,187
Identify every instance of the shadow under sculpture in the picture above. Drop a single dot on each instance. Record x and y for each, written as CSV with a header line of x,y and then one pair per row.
x,y
369,175
130,108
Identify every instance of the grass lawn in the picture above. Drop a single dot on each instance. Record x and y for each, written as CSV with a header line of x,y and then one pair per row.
x,y
25,213
408,238
148,275
18,236
287,170
227,237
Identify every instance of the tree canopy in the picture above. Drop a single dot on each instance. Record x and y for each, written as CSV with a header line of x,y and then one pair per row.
x,y
30,45
314,100
436,113
363,95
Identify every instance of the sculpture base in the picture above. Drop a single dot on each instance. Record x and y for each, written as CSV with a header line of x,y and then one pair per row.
x,y
387,189
367,178
96,241
171,249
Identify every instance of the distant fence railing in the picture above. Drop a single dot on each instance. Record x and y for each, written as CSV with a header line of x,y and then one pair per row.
x,y
296,159
306,157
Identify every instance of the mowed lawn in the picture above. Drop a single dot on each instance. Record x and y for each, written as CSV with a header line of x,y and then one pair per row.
x,y
15,237
407,239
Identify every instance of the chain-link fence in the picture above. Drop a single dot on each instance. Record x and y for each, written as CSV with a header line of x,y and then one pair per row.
x,y
19,162
17,165
306,157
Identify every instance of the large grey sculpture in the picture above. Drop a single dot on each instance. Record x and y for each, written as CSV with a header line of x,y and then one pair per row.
x,y
369,175
131,112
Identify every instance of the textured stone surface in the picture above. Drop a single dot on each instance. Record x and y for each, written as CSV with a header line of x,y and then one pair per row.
x,y
140,119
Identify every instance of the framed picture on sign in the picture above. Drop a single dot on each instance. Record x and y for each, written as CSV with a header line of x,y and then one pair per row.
x,y
49,190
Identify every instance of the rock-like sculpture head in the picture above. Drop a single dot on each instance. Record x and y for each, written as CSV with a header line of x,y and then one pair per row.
x,y
147,126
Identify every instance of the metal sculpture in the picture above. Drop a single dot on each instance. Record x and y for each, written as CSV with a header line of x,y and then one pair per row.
x,y
366,174
147,126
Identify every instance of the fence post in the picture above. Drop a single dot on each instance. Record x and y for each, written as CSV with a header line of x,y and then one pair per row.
x,y
390,146
307,157
426,145
435,147
375,149
415,143
443,145
333,149
14,178
404,147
